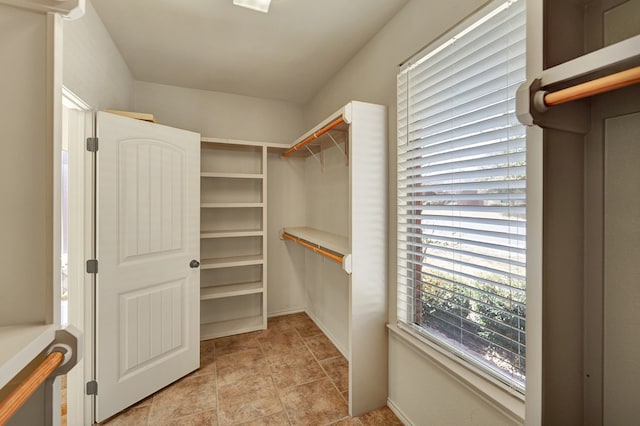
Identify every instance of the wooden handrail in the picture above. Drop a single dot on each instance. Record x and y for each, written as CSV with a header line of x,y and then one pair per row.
x,y
594,87
314,136
23,392
318,250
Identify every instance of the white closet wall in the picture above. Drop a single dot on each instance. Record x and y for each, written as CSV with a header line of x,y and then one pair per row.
x,y
326,284
286,189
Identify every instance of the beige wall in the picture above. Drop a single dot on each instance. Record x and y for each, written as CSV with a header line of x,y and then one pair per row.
x,y
25,170
93,68
221,115
418,387
428,395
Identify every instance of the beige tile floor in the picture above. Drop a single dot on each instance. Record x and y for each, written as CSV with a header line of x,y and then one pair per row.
x,y
289,374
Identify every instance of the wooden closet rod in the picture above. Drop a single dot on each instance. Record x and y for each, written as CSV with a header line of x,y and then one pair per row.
x,y
314,136
318,250
23,392
593,87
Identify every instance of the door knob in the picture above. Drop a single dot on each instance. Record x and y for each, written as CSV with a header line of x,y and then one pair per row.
x,y
194,263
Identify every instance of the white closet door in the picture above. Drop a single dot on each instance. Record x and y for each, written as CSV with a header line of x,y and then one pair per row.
x,y
148,215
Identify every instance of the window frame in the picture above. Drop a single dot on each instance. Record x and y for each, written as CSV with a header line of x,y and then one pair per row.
x,y
415,332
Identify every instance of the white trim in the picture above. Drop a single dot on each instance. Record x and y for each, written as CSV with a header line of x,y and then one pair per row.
x,y
73,101
399,413
285,312
54,132
80,303
72,9
329,335
503,398
533,391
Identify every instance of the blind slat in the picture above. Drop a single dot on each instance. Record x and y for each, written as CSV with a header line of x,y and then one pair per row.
x,y
412,176
410,289
499,159
479,244
431,290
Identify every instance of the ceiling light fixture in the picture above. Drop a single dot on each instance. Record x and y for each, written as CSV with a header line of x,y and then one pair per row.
x,y
259,5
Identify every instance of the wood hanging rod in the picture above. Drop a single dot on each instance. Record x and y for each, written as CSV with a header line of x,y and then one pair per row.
x,y
590,88
23,392
314,136
316,249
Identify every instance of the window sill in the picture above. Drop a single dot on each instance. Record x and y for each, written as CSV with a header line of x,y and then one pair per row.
x,y
509,401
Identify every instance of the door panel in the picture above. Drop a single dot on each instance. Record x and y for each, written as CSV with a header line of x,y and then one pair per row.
x,y
151,190
147,311
152,325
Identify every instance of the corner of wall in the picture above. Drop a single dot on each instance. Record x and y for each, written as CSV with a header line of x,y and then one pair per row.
x,y
93,67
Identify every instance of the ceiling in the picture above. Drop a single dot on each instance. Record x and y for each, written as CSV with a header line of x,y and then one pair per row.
x,y
287,54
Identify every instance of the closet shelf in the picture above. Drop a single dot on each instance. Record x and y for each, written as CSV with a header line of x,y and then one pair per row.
x,y
225,328
320,136
232,175
230,205
20,345
213,143
230,290
231,234
227,262
333,246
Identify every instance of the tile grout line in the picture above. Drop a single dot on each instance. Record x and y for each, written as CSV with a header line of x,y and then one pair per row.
x,y
284,409
150,409
215,369
325,371
327,374
193,413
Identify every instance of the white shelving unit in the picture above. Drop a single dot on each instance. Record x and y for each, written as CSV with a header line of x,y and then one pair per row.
x,y
345,205
233,258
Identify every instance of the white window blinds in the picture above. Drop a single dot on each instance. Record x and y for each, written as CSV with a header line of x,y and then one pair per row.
x,y
461,192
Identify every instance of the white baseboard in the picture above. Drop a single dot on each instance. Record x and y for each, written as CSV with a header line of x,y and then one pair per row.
x,y
398,412
321,326
285,312
343,351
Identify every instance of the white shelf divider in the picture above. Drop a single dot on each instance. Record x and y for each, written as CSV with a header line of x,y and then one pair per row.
x,y
225,328
230,290
230,205
226,262
232,175
231,234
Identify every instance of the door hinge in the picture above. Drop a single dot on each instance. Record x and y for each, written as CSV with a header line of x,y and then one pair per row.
x,y
92,266
92,144
92,388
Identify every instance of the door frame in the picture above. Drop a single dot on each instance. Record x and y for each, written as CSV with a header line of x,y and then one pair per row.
x,y
80,406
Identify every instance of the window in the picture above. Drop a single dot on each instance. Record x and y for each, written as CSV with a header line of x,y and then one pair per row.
x,y
461,192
